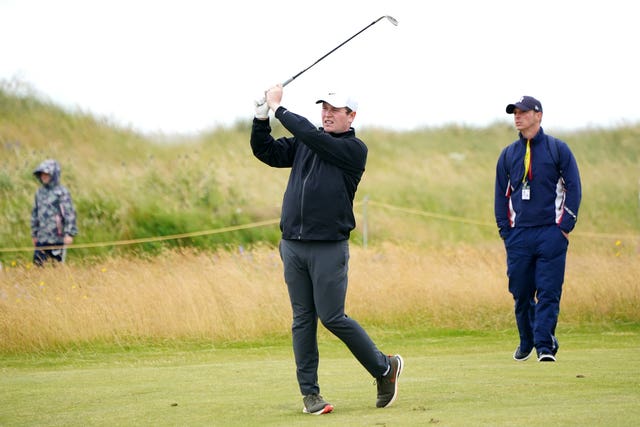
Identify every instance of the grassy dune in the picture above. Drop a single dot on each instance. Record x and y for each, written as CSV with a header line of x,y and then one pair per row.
x,y
128,186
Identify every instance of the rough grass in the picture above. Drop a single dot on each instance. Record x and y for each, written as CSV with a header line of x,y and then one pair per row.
x,y
240,295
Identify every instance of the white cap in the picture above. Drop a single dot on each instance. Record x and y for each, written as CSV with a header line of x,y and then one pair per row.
x,y
338,100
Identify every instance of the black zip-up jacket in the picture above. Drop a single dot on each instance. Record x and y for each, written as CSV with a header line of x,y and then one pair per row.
x,y
325,171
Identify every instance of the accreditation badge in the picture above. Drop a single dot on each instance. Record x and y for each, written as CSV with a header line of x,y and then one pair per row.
x,y
526,192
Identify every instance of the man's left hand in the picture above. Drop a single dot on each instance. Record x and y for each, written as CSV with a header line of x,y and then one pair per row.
x,y
261,109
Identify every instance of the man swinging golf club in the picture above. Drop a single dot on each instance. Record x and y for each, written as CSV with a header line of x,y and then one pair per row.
x,y
326,164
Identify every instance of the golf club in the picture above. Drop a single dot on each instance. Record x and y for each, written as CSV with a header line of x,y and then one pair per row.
x,y
390,18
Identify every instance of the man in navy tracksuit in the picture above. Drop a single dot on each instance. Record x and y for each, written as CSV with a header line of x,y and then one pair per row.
x,y
317,218
537,196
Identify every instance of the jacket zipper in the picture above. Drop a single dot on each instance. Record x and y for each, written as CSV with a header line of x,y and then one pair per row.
x,y
304,184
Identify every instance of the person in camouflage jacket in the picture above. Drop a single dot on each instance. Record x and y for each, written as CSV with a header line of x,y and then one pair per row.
x,y
53,218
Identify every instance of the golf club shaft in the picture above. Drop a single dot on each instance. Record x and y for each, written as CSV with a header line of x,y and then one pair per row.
x,y
391,19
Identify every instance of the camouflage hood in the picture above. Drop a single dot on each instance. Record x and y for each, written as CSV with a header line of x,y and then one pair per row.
x,y
53,215
51,167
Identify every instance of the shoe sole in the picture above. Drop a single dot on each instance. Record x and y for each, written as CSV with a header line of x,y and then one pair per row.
x,y
524,358
327,408
547,358
395,383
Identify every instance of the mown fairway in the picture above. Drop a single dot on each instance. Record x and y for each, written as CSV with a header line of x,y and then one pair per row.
x,y
450,379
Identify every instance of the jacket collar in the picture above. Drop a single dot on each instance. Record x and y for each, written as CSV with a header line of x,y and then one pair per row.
x,y
539,136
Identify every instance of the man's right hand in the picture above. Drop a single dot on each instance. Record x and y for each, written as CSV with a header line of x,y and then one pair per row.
x,y
274,97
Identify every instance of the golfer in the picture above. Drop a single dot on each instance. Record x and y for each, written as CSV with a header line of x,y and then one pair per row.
x,y
317,218
537,196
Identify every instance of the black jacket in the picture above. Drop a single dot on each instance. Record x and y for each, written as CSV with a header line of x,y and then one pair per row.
x,y
325,171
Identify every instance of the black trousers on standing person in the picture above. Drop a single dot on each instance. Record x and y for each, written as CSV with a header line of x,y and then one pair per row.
x,y
316,277
40,256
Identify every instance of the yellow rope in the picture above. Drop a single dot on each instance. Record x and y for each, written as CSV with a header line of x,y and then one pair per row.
x,y
431,214
150,239
277,220
485,224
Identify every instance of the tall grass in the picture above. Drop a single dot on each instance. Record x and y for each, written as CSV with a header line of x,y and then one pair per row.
x,y
240,295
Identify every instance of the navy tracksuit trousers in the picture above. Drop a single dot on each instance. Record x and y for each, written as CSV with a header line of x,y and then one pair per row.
x,y
316,277
536,258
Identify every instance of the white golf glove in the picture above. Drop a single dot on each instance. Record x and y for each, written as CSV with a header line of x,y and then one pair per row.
x,y
261,108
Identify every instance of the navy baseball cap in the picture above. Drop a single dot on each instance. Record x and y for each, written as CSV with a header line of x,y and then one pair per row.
x,y
525,103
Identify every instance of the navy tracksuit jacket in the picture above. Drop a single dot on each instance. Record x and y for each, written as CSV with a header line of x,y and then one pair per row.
x,y
531,229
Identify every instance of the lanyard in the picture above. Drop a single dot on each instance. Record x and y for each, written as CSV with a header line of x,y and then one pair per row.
x,y
528,175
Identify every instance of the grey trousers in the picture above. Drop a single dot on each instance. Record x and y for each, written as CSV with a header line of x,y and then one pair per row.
x,y
316,277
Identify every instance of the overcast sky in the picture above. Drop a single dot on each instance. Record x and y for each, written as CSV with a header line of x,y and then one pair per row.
x,y
186,66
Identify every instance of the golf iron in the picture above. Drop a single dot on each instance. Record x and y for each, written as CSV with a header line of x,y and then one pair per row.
x,y
389,18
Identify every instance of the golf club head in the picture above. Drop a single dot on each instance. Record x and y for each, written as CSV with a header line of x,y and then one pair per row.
x,y
391,19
